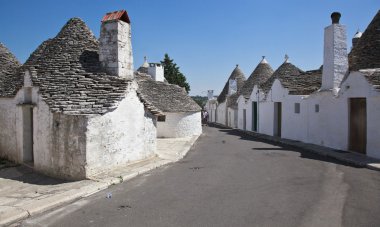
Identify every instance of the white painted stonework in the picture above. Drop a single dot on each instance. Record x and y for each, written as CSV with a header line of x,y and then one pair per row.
x,y
156,71
178,125
211,107
79,146
8,130
242,105
335,63
232,117
221,113
116,138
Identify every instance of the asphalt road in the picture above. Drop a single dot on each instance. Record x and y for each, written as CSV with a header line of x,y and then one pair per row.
x,y
229,179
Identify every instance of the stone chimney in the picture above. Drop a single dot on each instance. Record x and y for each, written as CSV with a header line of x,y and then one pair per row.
x,y
356,38
115,46
335,62
156,71
210,94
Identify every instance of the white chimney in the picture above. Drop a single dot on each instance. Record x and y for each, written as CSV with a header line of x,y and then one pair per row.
x,y
210,94
335,62
115,46
156,71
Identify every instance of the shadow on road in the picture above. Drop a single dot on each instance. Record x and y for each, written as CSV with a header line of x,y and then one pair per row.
x,y
28,176
304,153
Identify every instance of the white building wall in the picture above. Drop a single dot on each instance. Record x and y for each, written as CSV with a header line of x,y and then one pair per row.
x,y
221,113
356,86
231,117
211,108
116,138
242,105
266,117
59,143
178,125
328,127
373,127
10,115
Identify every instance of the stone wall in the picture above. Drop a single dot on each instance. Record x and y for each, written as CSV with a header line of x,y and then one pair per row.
x,y
8,130
115,48
178,125
59,143
124,135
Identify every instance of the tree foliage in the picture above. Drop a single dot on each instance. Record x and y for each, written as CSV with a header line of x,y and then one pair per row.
x,y
172,73
200,100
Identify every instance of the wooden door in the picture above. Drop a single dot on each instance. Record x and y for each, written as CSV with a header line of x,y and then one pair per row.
x,y
277,119
254,116
358,125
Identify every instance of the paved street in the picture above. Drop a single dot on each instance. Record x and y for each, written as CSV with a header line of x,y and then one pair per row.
x,y
229,179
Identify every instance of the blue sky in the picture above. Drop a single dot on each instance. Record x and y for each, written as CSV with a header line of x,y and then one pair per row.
x,y
206,38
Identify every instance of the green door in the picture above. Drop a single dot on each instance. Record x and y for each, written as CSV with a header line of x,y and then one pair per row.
x,y
254,116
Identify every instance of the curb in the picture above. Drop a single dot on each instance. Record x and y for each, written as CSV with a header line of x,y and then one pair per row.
x,y
353,158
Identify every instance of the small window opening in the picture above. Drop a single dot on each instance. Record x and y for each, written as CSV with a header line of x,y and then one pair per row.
x,y
161,118
297,108
317,108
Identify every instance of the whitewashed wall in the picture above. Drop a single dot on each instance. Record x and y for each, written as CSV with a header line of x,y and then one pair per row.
x,y
116,138
221,113
356,86
242,105
294,125
79,146
212,112
211,108
59,143
178,125
10,115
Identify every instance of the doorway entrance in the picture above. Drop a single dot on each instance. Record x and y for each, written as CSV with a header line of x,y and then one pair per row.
x,y
27,133
277,119
254,116
358,125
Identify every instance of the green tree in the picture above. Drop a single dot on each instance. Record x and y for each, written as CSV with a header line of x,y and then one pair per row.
x,y
172,73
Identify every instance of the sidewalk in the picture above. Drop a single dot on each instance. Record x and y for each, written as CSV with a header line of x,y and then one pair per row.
x,y
24,193
345,156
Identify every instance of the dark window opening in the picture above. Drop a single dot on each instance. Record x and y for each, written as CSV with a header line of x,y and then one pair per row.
x,y
161,118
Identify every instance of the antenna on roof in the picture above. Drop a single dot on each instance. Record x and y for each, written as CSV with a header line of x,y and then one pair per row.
x,y
237,65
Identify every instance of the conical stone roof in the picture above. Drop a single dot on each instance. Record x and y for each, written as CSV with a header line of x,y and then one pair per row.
x,y
285,69
237,75
9,80
260,74
366,53
67,71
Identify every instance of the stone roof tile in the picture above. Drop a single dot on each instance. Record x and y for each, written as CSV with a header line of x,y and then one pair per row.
x,y
67,71
237,75
373,77
304,83
261,74
285,69
10,82
162,97
366,53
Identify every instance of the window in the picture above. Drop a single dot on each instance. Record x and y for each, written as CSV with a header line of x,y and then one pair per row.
x,y
317,108
161,118
297,108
